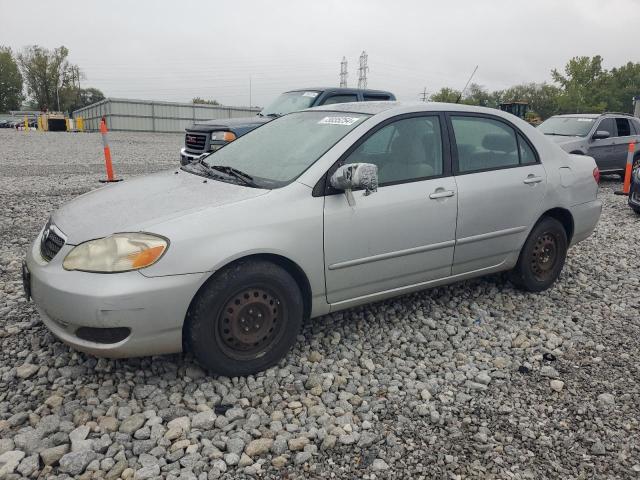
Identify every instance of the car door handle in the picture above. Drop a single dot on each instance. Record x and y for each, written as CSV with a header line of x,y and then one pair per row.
x,y
532,179
441,194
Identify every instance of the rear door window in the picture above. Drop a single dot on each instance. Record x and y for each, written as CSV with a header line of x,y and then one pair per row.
x,y
484,144
624,129
340,99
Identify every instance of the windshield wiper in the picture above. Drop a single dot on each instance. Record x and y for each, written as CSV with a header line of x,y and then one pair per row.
x,y
238,174
274,115
561,134
199,167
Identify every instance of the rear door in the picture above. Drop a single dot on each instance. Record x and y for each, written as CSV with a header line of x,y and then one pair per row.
x,y
602,150
621,143
501,185
404,233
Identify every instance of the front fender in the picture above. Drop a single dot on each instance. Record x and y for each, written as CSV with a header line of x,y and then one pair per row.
x,y
288,222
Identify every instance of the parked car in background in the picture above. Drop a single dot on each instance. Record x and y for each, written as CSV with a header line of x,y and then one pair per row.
x,y
210,135
605,137
315,212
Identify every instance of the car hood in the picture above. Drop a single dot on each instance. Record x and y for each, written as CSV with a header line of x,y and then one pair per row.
x,y
138,204
560,139
230,123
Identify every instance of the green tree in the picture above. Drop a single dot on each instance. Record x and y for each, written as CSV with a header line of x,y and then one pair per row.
x,y
46,72
202,101
542,98
445,94
583,85
478,95
10,81
72,98
622,85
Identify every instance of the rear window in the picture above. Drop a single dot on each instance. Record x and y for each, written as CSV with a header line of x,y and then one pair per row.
x,y
376,97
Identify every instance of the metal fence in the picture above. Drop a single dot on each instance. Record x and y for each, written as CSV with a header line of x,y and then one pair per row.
x,y
153,116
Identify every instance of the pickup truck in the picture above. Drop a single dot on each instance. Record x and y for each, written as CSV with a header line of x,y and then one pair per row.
x,y
211,135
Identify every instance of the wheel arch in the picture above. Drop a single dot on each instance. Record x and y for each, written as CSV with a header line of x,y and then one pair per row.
x,y
564,217
291,267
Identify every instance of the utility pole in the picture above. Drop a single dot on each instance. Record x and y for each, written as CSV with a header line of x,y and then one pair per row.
x,y
362,70
249,91
343,72
423,95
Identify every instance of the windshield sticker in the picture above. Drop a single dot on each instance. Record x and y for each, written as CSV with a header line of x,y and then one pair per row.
x,y
310,94
338,121
586,119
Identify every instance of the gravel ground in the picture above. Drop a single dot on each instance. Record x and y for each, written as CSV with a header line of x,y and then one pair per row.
x,y
474,380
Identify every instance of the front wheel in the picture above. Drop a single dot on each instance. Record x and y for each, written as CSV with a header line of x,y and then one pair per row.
x,y
542,256
245,319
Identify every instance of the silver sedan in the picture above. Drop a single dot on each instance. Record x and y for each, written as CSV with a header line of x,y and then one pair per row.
x,y
315,212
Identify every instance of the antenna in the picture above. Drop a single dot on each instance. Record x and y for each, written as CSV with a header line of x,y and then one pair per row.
x,y
466,84
362,70
343,72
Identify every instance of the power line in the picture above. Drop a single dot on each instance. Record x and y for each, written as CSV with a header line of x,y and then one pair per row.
x,y
362,70
343,72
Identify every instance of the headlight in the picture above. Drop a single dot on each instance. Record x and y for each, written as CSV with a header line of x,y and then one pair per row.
x,y
222,136
120,252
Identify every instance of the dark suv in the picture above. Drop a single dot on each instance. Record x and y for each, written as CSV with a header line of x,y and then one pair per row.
x,y
605,137
211,135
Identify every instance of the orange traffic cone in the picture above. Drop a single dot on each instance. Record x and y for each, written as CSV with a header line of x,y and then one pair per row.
x,y
107,154
626,185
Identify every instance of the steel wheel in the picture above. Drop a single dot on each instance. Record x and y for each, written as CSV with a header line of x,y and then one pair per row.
x,y
544,256
250,323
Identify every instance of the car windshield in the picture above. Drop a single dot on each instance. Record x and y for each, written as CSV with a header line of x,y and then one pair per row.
x,y
276,153
290,102
567,126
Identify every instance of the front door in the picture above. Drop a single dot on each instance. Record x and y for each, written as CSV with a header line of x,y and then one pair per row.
x,y
501,185
602,150
404,233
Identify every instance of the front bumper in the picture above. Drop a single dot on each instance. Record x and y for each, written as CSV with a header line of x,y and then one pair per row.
x,y
152,308
188,157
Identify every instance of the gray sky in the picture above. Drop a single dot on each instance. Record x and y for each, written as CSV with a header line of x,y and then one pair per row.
x,y
175,50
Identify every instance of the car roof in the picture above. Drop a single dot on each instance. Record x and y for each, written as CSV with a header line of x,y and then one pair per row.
x,y
341,90
374,108
579,115
594,115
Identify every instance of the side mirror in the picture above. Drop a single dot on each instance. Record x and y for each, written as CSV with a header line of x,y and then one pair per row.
x,y
355,176
601,135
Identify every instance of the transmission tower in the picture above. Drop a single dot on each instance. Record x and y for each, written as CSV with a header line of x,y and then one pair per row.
x,y
362,70
343,72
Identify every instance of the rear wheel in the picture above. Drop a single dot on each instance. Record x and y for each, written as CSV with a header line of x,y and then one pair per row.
x,y
245,319
542,256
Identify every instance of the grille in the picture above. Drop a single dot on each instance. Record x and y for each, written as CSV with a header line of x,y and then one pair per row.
x,y
195,142
50,244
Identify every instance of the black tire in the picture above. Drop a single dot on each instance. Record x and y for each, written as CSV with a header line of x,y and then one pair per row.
x,y
542,256
249,301
635,209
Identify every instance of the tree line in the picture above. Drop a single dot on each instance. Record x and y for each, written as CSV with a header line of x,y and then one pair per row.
x,y
44,78
583,86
